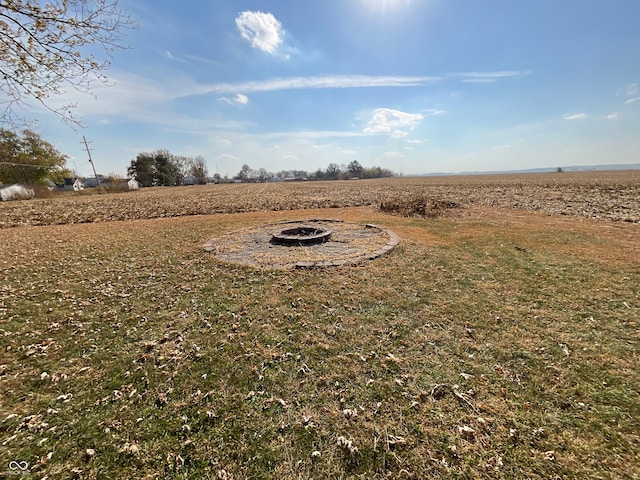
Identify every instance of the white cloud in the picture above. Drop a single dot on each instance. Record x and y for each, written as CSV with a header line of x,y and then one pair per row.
x,y
612,116
399,134
632,92
348,151
417,140
189,58
239,99
306,135
226,156
386,120
486,77
502,147
221,142
479,80
262,30
392,154
327,81
575,116
433,112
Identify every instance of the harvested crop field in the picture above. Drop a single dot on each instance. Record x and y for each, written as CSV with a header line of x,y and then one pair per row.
x,y
499,339
604,195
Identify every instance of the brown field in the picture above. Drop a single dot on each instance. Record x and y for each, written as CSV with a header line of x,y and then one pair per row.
x,y
500,339
604,195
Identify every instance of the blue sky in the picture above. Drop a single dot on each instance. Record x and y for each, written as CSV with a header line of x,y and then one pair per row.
x,y
416,86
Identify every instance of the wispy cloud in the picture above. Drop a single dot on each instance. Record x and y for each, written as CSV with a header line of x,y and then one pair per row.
x,y
169,55
239,99
612,116
479,80
155,100
433,112
307,135
575,116
486,77
134,95
632,92
399,134
189,58
502,147
226,156
326,81
388,120
262,30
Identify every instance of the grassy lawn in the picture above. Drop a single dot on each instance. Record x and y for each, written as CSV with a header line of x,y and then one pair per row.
x,y
497,344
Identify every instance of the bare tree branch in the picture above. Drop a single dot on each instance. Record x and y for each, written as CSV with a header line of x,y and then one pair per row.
x,y
47,48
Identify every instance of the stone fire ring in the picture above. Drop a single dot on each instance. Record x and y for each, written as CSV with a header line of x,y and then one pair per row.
x,y
313,243
301,235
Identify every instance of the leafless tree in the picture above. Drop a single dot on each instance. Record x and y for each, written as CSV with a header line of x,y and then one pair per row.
x,y
48,46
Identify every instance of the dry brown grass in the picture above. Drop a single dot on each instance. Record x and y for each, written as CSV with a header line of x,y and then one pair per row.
x,y
498,343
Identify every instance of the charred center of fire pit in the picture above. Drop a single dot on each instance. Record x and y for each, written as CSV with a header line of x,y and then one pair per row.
x,y
301,235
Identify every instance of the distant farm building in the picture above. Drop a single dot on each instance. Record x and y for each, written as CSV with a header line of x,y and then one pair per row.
x,y
70,184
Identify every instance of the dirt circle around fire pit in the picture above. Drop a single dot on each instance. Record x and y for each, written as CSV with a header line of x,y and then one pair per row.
x,y
347,244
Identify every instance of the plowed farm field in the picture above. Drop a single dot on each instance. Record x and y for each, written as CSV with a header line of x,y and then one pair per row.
x,y
604,195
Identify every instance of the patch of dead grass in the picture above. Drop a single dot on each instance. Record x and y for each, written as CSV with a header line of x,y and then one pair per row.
x,y
500,344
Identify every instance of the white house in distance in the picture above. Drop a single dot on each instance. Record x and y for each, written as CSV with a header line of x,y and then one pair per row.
x,y
133,184
71,184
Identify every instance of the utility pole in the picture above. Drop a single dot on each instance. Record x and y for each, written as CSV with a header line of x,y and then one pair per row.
x,y
91,160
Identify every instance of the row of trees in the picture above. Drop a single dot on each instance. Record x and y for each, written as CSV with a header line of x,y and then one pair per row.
x,y
161,167
332,172
27,158
353,170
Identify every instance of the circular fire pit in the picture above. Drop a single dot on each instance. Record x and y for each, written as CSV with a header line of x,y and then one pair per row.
x,y
311,243
302,235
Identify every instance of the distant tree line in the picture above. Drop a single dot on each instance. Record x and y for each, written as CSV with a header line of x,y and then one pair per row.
x,y
332,172
161,167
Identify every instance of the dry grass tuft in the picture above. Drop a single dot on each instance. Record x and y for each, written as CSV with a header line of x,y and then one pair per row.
x,y
420,207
